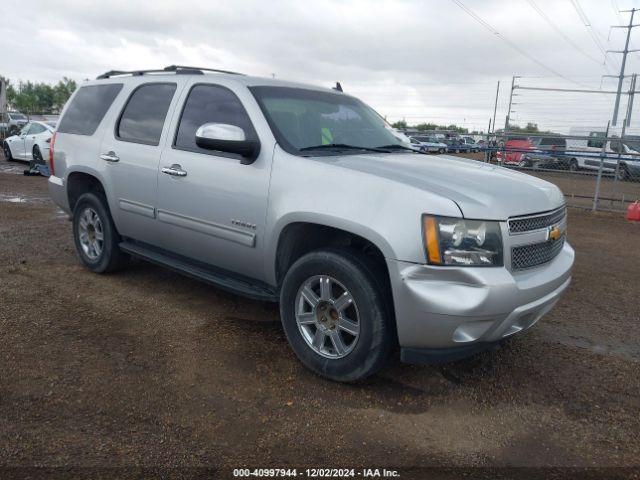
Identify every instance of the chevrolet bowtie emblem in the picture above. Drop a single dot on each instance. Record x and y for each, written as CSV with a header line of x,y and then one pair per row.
x,y
554,233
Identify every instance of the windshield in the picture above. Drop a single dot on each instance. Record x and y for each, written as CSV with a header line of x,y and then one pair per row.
x,y
314,122
17,116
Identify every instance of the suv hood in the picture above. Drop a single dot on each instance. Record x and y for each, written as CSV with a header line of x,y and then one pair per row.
x,y
481,191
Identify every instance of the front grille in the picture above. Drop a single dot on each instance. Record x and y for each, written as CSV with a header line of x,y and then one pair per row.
x,y
537,222
527,256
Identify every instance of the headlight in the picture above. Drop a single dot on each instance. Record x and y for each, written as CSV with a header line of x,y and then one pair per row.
x,y
456,241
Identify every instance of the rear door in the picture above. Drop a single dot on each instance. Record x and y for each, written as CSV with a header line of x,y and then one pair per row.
x,y
216,212
130,153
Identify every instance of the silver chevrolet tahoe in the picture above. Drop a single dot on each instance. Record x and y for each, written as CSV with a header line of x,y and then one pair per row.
x,y
305,196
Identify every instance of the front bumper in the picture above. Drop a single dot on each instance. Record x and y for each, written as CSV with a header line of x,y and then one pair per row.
x,y
445,308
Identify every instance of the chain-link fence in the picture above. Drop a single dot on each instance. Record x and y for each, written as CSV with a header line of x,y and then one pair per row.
x,y
594,171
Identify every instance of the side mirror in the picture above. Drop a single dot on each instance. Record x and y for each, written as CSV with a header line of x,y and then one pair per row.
x,y
228,138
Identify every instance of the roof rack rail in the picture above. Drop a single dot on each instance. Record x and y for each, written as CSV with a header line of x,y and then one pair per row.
x,y
182,68
177,69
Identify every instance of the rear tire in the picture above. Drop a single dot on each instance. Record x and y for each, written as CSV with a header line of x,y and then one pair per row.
x,y
7,152
312,317
573,165
95,235
623,173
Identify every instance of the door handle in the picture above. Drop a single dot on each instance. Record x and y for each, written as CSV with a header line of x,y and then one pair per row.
x,y
174,170
109,157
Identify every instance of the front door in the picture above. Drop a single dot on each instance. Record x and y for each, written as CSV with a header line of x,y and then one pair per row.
x,y
30,139
214,210
17,144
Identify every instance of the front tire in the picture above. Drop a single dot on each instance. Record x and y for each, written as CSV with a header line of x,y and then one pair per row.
x,y
36,155
334,313
95,235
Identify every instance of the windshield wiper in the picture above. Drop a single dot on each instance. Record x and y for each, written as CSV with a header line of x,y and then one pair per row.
x,y
342,146
396,146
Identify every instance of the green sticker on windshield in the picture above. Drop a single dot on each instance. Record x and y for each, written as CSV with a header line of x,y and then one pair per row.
x,y
327,138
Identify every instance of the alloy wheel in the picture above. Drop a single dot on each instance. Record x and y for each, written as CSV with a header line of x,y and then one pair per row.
x,y
90,233
327,316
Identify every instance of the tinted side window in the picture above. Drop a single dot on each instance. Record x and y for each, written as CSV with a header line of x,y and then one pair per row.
x,y
554,141
210,104
87,108
143,117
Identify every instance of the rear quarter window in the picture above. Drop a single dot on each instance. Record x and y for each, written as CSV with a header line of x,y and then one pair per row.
x,y
87,108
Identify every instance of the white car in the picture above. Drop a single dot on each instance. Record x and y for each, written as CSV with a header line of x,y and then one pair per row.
x,y
428,144
31,144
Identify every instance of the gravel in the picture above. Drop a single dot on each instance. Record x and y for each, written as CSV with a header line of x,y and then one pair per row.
x,y
147,368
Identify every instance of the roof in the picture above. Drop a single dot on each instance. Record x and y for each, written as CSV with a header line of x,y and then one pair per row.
x,y
240,78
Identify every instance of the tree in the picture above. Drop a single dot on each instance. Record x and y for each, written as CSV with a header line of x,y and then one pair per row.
x,y
62,91
400,125
31,98
530,128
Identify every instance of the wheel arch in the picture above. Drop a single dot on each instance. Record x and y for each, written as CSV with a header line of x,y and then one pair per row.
x,y
80,182
299,236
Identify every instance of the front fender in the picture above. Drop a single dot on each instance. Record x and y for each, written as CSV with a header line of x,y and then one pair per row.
x,y
346,225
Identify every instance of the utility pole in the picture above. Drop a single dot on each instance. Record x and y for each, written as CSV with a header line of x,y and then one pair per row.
x,y
624,62
632,92
506,120
495,108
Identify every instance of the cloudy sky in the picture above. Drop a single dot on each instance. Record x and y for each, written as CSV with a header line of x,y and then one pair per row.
x,y
437,60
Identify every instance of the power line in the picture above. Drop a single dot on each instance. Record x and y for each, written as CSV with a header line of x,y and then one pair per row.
x,y
560,32
624,53
587,24
495,32
616,10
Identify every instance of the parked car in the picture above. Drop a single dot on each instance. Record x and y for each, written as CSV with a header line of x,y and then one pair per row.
x,y
453,145
547,152
473,145
14,121
512,149
458,145
621,157
428,144
300,195
31,144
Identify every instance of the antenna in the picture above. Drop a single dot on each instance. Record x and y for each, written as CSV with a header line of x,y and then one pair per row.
x,y
338,87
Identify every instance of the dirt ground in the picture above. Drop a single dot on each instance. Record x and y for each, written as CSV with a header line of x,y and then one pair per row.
x,y
146,368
